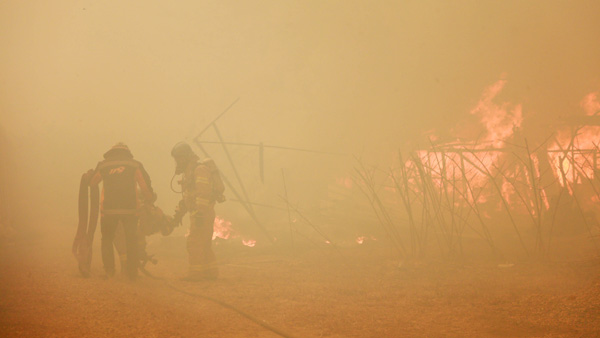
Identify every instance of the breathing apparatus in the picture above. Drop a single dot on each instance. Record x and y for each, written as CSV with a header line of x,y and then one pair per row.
x,y
183,155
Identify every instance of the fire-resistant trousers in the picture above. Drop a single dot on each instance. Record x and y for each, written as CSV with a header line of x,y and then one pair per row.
x,y
109,225
121,247
199,246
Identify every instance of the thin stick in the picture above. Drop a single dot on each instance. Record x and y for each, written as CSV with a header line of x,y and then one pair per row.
x,y
197,138
376,204
259,145
287,207
246,204
237,175
405,196
537,201
579,207
428,193
305,219
472,206
504,202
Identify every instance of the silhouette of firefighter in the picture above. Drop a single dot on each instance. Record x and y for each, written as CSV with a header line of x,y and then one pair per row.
x,y
119,204
151,220
201,187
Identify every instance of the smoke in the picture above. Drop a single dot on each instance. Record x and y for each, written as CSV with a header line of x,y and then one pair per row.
x,y
347,77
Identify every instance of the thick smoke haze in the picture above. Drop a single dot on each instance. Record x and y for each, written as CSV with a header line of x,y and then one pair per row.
x,y
415,167
360,78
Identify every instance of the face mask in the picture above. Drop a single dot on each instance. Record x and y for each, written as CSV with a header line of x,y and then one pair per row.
x,y
180,164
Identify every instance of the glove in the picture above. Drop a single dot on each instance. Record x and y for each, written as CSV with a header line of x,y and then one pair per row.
x,y
180,211
168,226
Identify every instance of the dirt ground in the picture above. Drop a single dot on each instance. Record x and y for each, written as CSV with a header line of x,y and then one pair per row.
x,y
355,291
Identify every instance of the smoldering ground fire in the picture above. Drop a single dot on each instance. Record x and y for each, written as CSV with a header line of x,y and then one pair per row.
x,y
394,168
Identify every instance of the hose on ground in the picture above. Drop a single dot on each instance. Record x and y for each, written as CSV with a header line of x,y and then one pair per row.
x,y
223,304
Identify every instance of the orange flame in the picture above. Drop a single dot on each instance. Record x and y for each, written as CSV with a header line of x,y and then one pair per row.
x,y
573,154
470,164
221,228
346,182
250,242
500,121
591,103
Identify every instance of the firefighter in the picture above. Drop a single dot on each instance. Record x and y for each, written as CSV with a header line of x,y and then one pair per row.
x,y
201,187
121,176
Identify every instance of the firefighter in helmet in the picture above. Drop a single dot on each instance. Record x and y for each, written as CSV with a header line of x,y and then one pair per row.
x,y
201,187
122,175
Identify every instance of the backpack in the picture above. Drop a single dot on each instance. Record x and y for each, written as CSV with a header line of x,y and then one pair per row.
x,y
217,183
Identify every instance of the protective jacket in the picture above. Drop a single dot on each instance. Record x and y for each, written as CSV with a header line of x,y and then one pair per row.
x,y
202,187
121,175
197,189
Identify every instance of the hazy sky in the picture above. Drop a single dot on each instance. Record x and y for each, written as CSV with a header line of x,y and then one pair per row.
x,y
360,77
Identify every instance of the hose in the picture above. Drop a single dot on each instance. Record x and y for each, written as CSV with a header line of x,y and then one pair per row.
x,y
223,304
172,178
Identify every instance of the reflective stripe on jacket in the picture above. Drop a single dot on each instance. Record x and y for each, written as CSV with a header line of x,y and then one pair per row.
x,y
198,188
